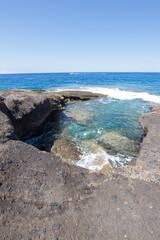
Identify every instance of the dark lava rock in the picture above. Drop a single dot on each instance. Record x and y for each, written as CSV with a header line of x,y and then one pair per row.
x,y
6,128
123,203
80,95
114,198
149,156
55,206
56,226
29,110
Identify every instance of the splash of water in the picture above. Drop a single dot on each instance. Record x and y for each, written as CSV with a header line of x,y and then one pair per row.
x,y
119,94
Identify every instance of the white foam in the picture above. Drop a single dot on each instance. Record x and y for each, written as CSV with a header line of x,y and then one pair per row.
x,y
88,160
116,93
91,160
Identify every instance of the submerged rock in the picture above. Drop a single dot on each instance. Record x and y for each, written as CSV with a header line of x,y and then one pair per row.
x,y
115,143
66,150
78,114
94,157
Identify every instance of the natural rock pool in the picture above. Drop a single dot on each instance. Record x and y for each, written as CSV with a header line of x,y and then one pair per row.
x,y
93,134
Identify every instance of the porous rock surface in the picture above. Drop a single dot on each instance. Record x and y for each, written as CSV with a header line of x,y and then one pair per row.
x,y
42,197
27,110
80,95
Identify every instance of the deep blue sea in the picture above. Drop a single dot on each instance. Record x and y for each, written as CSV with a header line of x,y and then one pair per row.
x,y
104,130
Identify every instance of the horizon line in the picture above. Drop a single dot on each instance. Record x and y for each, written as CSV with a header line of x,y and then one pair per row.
x,y
76,72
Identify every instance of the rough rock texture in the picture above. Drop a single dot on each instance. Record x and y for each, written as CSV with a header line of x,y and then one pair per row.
x,y
28,110
66,150
80,95
149,157
42,197
114,142
155,108
6,126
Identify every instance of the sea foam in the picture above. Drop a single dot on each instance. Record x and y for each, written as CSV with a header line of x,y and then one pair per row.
x,y
116,93
96,161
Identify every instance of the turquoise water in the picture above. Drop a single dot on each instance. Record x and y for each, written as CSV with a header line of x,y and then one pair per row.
x,y
105,131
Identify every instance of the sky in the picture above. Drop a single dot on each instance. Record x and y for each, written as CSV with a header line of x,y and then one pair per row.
x,y
79,36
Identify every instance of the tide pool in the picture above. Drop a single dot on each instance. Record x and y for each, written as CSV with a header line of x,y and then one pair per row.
x,y
103,131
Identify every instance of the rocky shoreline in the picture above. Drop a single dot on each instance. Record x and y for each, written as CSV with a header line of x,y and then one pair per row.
x,y
43,197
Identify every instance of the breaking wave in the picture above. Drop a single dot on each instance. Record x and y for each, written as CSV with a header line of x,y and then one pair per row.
x,y
116,93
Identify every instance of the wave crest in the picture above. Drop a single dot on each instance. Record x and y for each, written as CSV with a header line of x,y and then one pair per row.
x,y
119,94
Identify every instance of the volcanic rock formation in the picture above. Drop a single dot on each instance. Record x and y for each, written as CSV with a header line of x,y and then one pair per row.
x,y
42,197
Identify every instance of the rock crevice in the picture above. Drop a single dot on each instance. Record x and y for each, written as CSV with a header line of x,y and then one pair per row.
x,y
42,197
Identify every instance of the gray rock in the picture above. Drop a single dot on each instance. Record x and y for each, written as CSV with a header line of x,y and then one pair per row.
x,y
155,108
114,198
80,95
149,156
55,206
56,226
136,209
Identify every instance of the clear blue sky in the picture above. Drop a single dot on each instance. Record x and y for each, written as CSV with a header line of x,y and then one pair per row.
x,y
79,35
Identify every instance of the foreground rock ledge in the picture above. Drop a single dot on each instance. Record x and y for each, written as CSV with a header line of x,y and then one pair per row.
x,y
42,197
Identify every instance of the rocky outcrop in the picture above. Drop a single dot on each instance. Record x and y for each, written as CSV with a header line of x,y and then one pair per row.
x,y
6,127
42,197
28,110
80,95
23,110
149,156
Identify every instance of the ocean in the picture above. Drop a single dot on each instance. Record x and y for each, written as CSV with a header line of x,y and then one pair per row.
x,y
103,131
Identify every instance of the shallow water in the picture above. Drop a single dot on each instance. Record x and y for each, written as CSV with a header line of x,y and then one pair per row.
x,y
106,130
101,131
